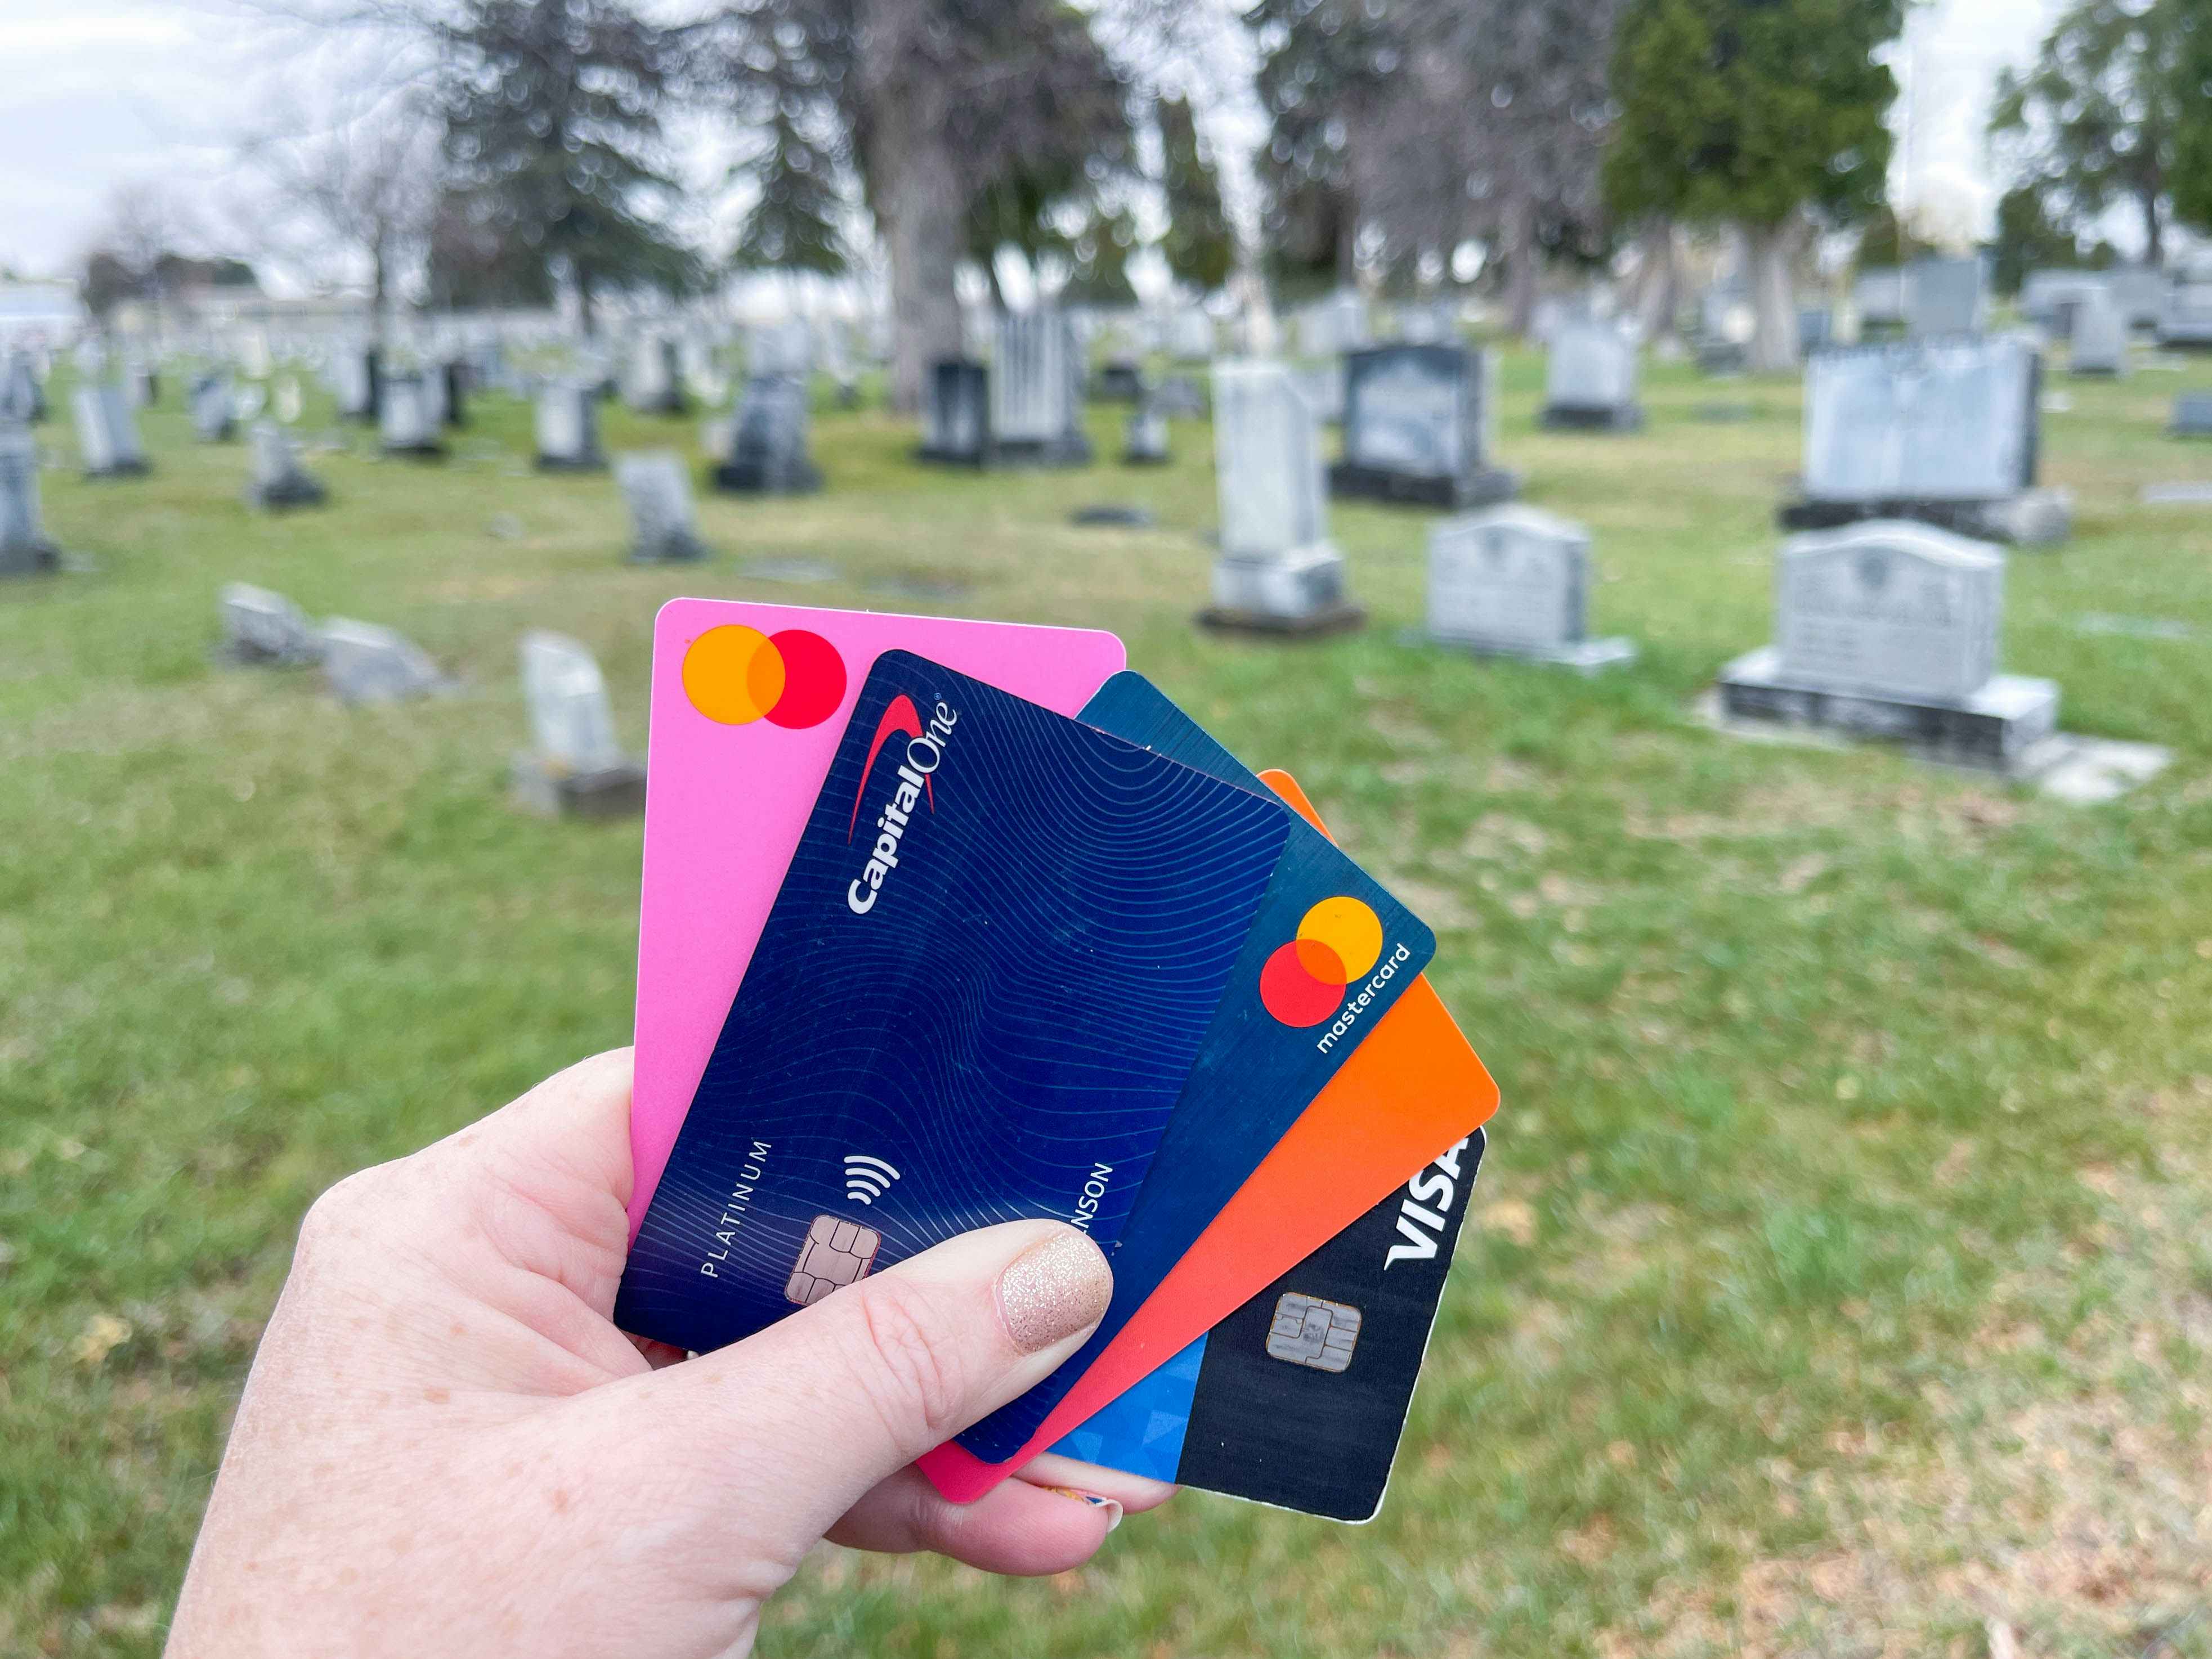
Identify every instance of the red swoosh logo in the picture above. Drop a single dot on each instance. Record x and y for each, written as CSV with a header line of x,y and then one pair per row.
x,y
900,717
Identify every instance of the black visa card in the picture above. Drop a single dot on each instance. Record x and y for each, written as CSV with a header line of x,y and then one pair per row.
x,y
985,980
1298,1399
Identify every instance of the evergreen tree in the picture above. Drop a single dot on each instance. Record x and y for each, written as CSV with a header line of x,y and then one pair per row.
x,y
2101,117
2027,237
1198,247
1753,112
1325,73
793,224
553,131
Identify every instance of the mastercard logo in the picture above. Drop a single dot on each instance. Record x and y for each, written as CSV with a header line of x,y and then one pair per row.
x,y
1339,940
736,675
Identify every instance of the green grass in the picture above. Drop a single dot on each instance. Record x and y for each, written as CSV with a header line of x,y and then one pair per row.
x,y
1842,1276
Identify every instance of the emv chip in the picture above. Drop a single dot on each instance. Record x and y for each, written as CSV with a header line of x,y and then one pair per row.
x,y
1308,1331
837,1252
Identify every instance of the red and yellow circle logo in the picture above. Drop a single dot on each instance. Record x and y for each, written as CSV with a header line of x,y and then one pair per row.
x,y
736,675
1339,940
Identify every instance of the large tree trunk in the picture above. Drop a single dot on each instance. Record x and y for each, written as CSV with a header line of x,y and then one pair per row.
x,y
1522,266
1769,251
916,187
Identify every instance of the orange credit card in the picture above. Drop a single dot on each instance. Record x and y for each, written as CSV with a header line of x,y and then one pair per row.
x,y
1408,1093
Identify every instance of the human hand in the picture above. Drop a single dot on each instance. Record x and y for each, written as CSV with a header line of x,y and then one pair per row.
x,y
445,1446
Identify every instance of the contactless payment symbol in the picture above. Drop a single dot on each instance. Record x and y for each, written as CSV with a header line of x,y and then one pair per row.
x,y
1339,940
866,1178
735,675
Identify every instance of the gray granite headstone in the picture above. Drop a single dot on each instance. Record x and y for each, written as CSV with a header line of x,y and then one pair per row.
x,y
21,398
1590,379
1946,430
1036,390
264,629
660,497
566,421
355,376
213,405
365,662
2140,293
1146,442
1878,296
956,413
24,548
1515,581
1890,629
1190,336
2049,297
2184,316
651,382
405,421
1946,296
2100,335
1418,421
1277,565
574,764
108,433
278,481
768,440
2192,415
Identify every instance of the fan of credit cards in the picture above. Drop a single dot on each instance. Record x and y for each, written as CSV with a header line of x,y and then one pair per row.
x,y
951,923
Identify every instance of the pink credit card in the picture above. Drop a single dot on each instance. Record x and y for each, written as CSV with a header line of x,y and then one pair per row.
x,y
749,702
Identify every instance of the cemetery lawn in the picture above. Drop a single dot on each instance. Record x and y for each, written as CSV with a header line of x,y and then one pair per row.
x,y
1841,1275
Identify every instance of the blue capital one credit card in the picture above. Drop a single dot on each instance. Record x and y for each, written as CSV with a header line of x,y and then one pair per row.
x,y
991,965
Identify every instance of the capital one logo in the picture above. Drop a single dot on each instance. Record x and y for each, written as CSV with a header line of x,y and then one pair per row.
x,y
1337,941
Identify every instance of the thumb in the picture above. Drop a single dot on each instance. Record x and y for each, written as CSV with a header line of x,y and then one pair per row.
x,y
822,1406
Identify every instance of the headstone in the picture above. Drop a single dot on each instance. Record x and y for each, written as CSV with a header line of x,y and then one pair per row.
x,y
1037,391
278,481
262,628
1590,379
768,444
1946,431
21,397
142,387
1322,385
406,423
108,433
1278,571
567,428
2140,293
24,549
1946,296
1418,421
1889,629
212,409
956,413
356,379
1190,336
1146,443
2100,335
2185,317
1515,581
1179,397
660,497
452,376
574,763
364,663
2192,416
1121,381
1816,329
2048,297
651,384
247,402
289,403
1878,296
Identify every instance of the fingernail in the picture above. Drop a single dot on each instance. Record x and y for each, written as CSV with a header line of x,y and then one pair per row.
x,y
1056,1287
1112,1509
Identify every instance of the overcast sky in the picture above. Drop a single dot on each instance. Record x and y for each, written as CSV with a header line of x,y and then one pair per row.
x,y
101,93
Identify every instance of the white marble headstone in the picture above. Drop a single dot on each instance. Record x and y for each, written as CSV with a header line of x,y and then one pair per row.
x,y
1592,366
1889,609
571,721
1950,420
1267,464
1514,579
